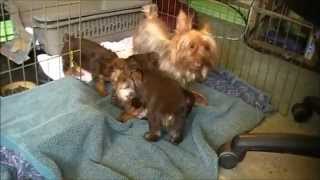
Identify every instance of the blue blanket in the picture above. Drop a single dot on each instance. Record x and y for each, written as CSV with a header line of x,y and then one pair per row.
x,y
64,129
229,84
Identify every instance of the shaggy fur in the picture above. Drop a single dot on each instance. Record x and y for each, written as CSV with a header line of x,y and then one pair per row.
x,y
124,94
168,104
187,55
152,34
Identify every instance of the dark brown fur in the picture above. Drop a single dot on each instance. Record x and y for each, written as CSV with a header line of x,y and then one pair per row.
x,y
167,103
123,88
94,58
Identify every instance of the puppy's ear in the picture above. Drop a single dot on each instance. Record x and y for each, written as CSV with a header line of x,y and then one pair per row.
x,y
154,56
199,98
184,23
150,11
153,60
115,64
110,56
65,37
207,29
137,77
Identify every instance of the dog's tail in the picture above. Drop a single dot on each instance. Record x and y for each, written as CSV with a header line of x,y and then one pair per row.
x,y
150,11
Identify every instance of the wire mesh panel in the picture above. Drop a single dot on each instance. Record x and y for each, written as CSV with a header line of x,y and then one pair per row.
x,y
101,27
276,29
259,40
47,22
283,75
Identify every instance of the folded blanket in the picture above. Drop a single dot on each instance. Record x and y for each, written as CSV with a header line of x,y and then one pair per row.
x,y
229,84
14,167
65,129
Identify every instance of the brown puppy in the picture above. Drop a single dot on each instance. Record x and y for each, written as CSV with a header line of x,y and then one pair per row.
x,y
167,103
94,59
124,94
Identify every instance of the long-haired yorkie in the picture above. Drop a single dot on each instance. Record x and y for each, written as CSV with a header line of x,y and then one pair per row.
x,y
187,54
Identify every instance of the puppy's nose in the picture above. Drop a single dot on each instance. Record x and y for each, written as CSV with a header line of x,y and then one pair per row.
x,y
131,95
197,64
122,86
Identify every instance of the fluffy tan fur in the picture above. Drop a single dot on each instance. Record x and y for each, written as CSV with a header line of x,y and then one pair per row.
x,y
152,34
187,54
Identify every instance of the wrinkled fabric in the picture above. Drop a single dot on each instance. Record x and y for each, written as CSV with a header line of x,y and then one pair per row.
x,y
64,129
229,84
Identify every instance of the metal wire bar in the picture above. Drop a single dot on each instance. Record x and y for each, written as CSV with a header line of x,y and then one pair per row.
x,y
174,8
23,69
46,29
235,64
265,39
6,38
251,59
80,38
222,45
168,7
286,80
34,50
162,6
277,15
277,73
188,12
297,79
31,64
69,38
237,48
245,53
244,64
276,37
58,29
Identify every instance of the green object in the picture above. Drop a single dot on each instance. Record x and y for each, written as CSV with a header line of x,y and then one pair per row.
x,y
6,31
219,10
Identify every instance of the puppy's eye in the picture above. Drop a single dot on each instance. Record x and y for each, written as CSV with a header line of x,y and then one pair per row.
x,y
207,47
192,46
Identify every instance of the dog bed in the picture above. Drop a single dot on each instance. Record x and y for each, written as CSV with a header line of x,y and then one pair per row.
x,y
65,129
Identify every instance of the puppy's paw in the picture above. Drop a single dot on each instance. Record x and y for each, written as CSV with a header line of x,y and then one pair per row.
x,y
175,138
114,100
200,99
152,136
103,93
101,89
125,117
77,71
68,72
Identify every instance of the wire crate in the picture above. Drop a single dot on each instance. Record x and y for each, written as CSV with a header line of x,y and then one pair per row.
x,y
6,28
272,27
97,20
236,24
